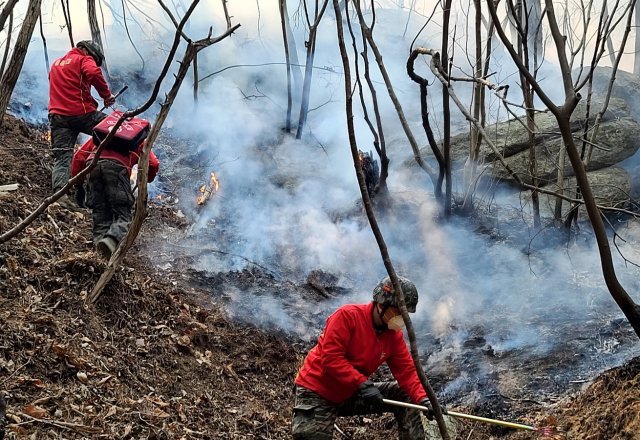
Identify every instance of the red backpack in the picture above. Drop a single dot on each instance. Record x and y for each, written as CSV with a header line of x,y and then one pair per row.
x,y
127,138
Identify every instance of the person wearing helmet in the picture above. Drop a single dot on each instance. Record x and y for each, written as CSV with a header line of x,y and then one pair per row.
x,y
72,109
334,379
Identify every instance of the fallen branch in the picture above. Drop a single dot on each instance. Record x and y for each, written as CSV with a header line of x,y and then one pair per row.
x,y
58,424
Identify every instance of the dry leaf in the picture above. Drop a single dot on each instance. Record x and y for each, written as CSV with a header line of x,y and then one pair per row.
x,y
103,380
157,412
35,411
82,377
157,401
112,411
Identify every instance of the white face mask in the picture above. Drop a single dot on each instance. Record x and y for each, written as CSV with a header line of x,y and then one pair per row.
x,y
395,323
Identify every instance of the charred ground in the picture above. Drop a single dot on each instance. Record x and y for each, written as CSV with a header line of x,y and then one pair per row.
x,y
157,357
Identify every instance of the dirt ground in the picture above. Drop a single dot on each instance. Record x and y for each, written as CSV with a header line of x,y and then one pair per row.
x,y
158,359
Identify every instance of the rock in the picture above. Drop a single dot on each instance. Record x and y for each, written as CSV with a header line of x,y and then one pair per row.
x,y
625,87
617,139
512,137
610,186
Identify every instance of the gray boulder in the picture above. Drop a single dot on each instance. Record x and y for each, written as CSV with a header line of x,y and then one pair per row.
x,y
611,187
617,140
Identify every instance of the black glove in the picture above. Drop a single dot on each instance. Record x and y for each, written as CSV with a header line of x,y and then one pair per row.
x,y
429,414
370,393
80,195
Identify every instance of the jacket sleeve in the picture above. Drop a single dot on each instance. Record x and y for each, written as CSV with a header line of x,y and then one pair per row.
x,y
401,365
336,339
80,157
94,75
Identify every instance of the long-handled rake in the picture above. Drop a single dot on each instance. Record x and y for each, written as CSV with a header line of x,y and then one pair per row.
x,y
550,432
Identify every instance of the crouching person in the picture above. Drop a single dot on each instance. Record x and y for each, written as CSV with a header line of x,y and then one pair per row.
x,y
334,379
108,192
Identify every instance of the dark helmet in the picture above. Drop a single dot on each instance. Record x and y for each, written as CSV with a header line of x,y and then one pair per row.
x,y
384,294
93,49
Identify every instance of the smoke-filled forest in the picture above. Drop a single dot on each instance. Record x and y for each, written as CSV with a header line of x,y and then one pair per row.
x,y
215,216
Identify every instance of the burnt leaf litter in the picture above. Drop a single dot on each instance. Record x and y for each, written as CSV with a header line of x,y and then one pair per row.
x,y
158,356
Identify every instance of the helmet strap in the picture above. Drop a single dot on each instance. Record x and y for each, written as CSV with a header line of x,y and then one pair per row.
x,y
383,326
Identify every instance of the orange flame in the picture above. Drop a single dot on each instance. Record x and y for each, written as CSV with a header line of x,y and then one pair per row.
x,y
206,191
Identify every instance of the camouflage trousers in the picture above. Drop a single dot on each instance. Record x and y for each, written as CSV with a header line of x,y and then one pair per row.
x,y
64,133
314,417
110,199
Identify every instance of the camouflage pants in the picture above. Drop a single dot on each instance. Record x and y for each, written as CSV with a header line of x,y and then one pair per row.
x,y
110,199
314,417
64,133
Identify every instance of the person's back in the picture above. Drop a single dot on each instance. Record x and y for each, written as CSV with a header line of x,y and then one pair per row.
x,y
70,81
109,194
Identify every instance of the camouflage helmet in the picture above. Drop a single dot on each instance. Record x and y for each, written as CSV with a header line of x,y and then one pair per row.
x,y
93,49
384,294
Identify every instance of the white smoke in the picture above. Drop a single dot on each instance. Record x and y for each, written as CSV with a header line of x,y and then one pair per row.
x,y
285,202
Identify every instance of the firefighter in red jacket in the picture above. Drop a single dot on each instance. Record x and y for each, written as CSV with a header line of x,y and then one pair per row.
x,y
72,109
109,194
334,379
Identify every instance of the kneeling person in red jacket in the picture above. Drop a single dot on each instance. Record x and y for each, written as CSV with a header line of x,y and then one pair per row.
x,y
334,380
109,194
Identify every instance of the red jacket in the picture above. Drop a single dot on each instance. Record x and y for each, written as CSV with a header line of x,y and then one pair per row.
x,y
84,155
70,82
349,351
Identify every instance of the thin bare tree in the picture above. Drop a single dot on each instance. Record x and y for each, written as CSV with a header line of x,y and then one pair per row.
x,y
284,18
367,32
10,76
7,45
353,143
6,11
446,112
66,12
377,131
96,36
44,46
311,51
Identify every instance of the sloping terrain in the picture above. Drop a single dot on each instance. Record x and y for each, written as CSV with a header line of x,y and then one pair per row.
x,y
156,358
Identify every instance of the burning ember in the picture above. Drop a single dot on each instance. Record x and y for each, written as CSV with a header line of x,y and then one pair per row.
x,y
206,191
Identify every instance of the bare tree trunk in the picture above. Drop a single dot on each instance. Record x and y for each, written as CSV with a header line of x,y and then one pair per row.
x,y
195,79
636,57
193,47
5,55
10,77
368,34
296,71
424,112
523,23
379,142
557,212
470,166
96,36
284,17
308,68
376,229
67,19
446,111
6,11
44,46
